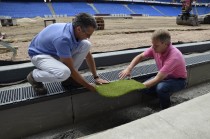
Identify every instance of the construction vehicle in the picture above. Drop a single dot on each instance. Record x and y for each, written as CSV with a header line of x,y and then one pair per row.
x,y
204,19
186,18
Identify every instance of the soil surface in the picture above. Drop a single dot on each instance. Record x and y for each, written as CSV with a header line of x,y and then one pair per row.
x,y
118,34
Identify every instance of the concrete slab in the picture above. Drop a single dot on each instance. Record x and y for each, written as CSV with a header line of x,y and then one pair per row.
x,y
199,73
193,117
189,120
31,119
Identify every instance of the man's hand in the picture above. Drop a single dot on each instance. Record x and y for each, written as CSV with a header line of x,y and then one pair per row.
x,y
101,81
159,77
91,87
126,72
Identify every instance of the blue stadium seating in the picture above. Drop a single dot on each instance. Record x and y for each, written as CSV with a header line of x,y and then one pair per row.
x,y
144,9
72,8
202,10
165,1
111,8
20,10
169,10
33,9
63,8
83,7
204,1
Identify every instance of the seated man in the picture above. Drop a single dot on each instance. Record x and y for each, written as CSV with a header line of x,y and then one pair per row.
x,y
186,8
59,50
172,73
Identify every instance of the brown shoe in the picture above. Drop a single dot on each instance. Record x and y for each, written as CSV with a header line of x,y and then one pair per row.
x,y
37,86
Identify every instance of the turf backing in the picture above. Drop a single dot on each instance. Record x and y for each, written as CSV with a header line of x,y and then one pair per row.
x,y
119,88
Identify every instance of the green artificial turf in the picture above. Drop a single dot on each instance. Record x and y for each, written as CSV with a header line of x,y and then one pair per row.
x,y
118,88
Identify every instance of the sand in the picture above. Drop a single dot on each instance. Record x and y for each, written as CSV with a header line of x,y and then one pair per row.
x,y
118,34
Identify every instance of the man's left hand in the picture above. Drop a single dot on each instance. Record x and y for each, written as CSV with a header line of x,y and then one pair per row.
x,y
99,81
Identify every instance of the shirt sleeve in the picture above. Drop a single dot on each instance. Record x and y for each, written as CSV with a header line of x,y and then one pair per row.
x,y
62,47
148,53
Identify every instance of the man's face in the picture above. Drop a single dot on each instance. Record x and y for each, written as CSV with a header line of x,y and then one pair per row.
x,y
83,33
159,46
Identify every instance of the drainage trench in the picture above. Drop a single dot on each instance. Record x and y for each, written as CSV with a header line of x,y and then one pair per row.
x,y
21,107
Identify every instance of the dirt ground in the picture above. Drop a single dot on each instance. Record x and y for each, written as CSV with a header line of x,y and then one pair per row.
x,y
118,33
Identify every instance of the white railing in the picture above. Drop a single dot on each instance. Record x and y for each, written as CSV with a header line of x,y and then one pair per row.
x,y
55,16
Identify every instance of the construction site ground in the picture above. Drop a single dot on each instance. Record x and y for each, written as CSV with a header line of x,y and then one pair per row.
x,y
118,34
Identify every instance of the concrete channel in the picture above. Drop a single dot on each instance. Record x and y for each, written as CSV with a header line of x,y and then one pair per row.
x,y
20,107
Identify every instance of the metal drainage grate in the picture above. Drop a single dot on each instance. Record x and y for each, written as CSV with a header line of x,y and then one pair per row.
x,y
27,93
111,75
54,88
90,79
144,70
197,59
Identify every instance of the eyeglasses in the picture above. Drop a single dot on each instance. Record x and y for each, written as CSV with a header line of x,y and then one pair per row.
x,y
84,30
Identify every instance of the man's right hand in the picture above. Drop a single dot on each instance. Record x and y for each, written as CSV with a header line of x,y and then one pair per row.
x,y
92,87
126,72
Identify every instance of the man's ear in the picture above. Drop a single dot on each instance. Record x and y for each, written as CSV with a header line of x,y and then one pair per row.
x,y
79,29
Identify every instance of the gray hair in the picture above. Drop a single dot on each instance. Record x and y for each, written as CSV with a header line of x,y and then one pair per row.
x,y
162,35
84,20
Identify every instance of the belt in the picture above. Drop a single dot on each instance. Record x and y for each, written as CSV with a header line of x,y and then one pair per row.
x,y
181,78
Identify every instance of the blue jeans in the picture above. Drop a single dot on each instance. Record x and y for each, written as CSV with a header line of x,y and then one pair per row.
x,y
164,90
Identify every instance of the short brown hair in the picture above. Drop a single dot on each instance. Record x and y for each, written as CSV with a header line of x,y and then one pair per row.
x,y
162,35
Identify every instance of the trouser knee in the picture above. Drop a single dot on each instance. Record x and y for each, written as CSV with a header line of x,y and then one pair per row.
x,y
164,96
64,74
86,44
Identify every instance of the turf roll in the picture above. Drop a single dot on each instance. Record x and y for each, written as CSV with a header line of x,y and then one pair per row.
x,y
119,88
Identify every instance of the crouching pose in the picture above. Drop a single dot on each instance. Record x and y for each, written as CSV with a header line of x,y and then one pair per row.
x,y
172,73
58,51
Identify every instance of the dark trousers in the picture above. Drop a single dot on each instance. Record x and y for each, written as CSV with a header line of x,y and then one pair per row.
x,y
164,90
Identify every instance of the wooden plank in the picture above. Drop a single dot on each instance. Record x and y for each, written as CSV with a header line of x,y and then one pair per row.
x,y
6,50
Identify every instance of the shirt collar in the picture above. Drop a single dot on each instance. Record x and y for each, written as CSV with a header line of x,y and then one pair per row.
x,y
71,30
167,51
